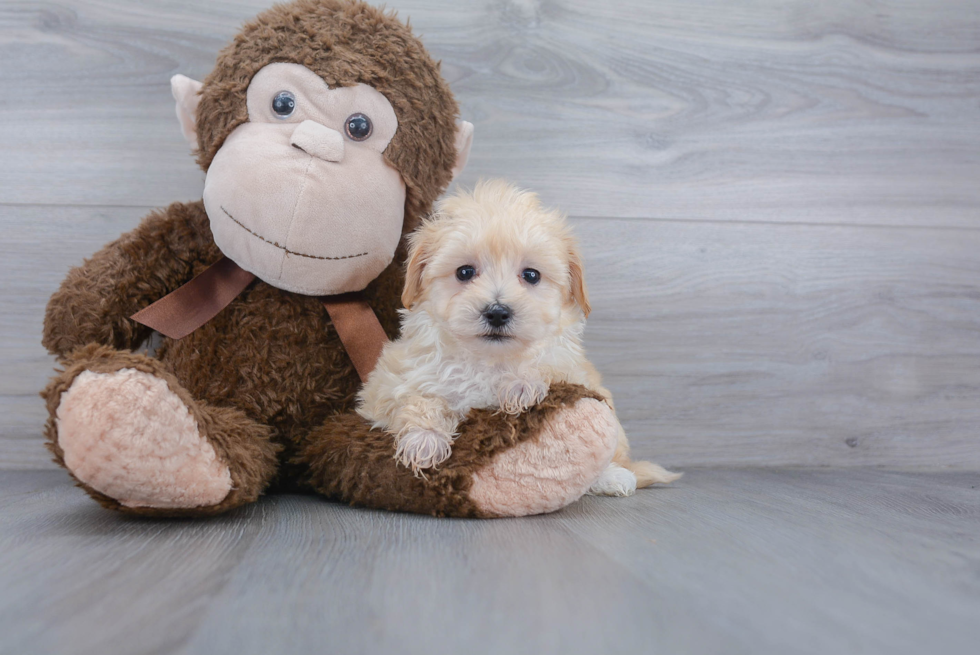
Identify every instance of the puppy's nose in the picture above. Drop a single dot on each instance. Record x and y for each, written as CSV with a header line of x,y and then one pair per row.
x,y
318,140
497,315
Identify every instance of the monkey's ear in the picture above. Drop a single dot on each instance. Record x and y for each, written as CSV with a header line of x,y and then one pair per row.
x,y
464,139
187,93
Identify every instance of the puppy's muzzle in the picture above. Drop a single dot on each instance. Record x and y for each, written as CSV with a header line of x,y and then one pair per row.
x,y
496,315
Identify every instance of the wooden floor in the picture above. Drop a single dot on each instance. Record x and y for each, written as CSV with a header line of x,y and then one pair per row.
x,y
728,561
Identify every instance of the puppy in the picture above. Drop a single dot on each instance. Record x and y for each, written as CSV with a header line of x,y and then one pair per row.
x,y
496,306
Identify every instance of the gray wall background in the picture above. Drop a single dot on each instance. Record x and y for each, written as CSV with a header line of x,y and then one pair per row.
x,y
778,200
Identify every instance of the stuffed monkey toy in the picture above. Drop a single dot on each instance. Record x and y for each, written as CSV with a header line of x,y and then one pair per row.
x,y
326,132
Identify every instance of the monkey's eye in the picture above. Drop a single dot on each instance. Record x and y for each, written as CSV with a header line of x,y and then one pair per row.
x,y
358,127
465,273
530,276
284,104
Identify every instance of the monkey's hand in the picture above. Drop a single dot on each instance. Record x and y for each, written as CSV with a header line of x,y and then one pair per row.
x,y
96,299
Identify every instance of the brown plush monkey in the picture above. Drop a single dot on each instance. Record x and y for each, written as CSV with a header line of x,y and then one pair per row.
x,y
326,132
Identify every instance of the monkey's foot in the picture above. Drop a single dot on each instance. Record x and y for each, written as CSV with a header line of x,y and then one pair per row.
x,y
539,475
128,436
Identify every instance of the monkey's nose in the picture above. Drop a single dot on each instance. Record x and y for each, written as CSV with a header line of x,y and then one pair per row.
x,y
318,140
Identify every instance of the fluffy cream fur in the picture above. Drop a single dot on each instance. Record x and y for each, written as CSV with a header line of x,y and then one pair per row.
x,y
450,359
127,435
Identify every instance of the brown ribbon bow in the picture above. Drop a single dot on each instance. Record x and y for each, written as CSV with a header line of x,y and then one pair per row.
x,y
181,312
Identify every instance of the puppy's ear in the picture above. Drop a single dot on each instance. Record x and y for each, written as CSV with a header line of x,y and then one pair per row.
x,y
576,278
413,270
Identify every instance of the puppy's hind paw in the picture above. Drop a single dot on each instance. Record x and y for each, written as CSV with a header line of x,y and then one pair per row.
x,y
519,394
419,449
614,481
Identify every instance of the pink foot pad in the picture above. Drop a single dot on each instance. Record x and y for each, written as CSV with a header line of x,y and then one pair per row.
x,y
545,474
128,436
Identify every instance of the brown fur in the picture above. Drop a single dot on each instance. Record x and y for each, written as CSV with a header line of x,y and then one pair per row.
x,y
267,379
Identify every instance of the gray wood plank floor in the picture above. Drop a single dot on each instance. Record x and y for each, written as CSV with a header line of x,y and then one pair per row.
x,y
778,200
726,561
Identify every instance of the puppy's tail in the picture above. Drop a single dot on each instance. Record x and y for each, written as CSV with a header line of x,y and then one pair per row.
x,y
648,473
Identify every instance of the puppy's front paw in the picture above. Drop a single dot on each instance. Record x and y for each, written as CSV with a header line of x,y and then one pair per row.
x,y
420,449
518,394
614,481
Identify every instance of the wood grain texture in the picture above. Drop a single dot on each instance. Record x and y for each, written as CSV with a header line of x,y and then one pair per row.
x,y
778,203
778,200
746,561
789,344
723,343
831,112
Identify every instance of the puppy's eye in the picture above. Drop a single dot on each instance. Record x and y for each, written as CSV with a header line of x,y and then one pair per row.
x,y
530,276
358,127
465,273
284,104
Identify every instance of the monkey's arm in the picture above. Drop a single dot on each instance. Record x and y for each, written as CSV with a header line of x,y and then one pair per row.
x,y
96,299
501,464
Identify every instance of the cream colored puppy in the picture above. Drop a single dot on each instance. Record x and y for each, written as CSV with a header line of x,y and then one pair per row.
x,y
496,304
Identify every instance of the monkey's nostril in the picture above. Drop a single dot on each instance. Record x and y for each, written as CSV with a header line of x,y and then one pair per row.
x,y
318,140
497,315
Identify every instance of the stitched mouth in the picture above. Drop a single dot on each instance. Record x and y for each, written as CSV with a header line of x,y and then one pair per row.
x,y
284,248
